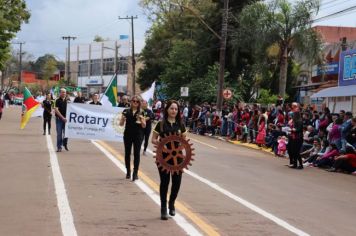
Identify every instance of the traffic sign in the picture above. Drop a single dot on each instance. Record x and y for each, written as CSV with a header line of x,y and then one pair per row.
x,y
184,91
227,94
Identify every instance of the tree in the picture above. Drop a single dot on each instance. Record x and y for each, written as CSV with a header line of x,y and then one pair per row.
x,y
40,64
285,30
181,47
98,39
12,15
49,68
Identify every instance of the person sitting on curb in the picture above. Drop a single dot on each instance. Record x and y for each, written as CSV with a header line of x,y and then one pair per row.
x,y
327,160
346,162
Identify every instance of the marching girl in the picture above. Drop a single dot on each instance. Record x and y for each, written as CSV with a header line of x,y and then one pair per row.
x,y
170,123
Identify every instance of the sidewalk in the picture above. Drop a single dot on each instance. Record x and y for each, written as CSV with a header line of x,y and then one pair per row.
x,y
248,145
239,143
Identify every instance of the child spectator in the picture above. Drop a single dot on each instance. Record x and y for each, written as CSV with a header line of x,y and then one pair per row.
x,y
260,139
282,146
244,132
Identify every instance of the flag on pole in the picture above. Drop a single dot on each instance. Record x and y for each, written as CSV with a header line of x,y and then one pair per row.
x,y
124,36
109,98
148,95
29,106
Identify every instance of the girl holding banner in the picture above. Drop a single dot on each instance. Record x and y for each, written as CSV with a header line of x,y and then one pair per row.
x,y
135,122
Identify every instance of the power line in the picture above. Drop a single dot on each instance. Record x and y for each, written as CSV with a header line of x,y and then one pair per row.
x,y
334,5
347,10
327,3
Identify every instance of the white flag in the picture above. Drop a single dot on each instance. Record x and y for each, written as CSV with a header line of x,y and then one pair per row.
x,y
148,95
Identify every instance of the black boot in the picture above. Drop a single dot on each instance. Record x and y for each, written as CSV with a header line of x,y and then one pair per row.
x,y
172,210
128,174
134,175
164,215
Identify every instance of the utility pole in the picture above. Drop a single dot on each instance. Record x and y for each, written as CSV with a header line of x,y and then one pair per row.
x,y
222,55
133,61
69,38
20,62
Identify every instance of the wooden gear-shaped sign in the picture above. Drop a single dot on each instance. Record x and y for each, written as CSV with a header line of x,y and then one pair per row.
x,y
174,153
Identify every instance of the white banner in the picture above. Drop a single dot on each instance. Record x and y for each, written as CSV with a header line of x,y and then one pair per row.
x,y
85,121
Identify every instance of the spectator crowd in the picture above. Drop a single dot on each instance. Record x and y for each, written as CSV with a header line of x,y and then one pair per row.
x,y
324,139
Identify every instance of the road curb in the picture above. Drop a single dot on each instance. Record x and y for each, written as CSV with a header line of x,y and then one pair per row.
x,y
247,145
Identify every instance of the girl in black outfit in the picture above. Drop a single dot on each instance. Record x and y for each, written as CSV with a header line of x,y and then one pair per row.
x,y
171,123
133,134
295,141
47,105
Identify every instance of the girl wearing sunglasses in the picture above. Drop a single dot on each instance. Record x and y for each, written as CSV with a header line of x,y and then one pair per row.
x,y
135,122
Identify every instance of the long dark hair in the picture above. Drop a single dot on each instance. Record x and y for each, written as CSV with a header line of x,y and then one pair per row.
x,y
165,112
297,117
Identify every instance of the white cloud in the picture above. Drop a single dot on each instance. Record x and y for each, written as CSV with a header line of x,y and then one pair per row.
x,y
52,19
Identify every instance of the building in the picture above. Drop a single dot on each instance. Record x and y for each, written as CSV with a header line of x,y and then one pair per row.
x,y
92,66
313,79
342,96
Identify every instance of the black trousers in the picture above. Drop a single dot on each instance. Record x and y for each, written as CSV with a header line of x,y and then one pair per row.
x,y
163,187
47,120
146,135
0,115
136,141
294,146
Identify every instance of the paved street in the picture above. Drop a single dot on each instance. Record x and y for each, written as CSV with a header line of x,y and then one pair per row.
x,y
229,190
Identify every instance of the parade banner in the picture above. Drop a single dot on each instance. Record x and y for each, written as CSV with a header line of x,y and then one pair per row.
x,y
85,121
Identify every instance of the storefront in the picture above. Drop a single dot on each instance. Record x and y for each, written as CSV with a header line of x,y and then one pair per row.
x,y
342,97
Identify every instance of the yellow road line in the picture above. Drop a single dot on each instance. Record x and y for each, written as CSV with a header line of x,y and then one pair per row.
x,y
202,143
205,227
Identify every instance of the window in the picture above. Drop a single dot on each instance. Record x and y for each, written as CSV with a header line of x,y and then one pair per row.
x,y
123,65
95,67
108,66
83,68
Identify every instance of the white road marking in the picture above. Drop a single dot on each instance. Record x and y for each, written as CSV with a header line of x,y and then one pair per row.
x,y
179,219
65,213
202,143
246,203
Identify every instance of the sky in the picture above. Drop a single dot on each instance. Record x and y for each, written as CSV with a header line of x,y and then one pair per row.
x,y
52,19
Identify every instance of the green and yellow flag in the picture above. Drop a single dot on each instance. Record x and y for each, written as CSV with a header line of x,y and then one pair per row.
x,y
109,98
28,107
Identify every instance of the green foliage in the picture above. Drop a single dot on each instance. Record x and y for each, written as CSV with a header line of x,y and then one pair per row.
x,y
180,48
46,65
49,68
98,38
12,15
180,67
286,33
204,89
266,97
